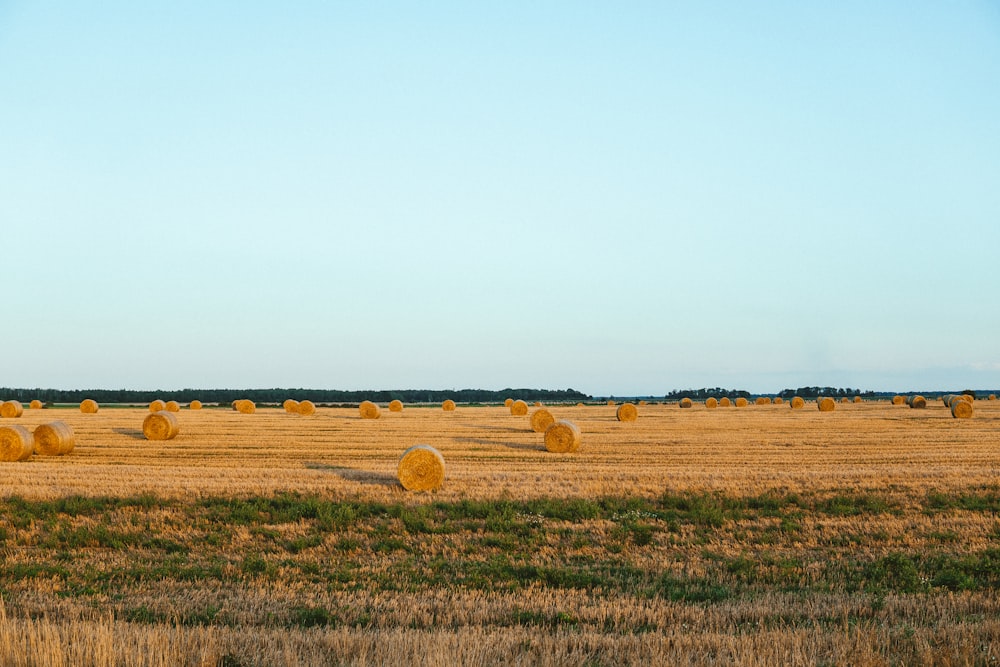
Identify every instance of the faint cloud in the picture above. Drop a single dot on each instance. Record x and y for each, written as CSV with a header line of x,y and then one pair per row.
x,y
985,366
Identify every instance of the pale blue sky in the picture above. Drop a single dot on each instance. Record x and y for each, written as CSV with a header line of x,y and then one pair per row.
x,y
622,198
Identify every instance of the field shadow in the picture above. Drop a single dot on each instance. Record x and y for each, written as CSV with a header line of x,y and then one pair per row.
x,y
504,429
134,433
368,477
508,445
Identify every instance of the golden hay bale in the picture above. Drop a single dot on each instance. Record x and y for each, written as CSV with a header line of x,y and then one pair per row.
x,y
857,399
685,402
507,402
541,419
825,403
89,406
11,409
562,437
742,402
235,402
395,405
291,406
306,408
967,397
711,403
245,406
538,404
898,400
992,397
610,402
194,405
369,410
54,439
845,400
16,443
724,402
947,399
579,405
917,402
421,468
172,406
797,402
36,405
448,405
157,405
778,400
642,403
519,408
160,425
761,400
961,409
627,412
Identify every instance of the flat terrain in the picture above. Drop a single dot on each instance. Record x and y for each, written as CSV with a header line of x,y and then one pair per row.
x,y
755,535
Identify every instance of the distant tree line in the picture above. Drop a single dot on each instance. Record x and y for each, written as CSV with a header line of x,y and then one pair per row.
x,y
278,395
701,394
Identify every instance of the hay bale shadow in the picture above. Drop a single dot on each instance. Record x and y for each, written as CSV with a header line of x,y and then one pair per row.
x,y
508,445
134,433
368,477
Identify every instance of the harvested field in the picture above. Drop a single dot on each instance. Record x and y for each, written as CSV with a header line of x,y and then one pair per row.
x,y
760,536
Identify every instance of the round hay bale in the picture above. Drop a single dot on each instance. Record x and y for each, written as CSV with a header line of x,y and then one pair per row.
x,y
519,408
918,402
36,405
160,425
235,402
507,402
579,405
245,406
685,402
642,403
961,410
761,400
992,397
306,408
54,439
172,406
421,468
157,405
395,405
947,399
369,410
11,409
89,406
857,399
711,403
627,412
610,402
448,405
742,402
541,419
724,402
797,402
845,400
968,398
538,404
562,437
898,400
778,400
826,404
194,405
16,443
291,406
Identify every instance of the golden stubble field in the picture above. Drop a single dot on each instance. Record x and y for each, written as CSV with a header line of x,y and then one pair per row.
x,y
756,536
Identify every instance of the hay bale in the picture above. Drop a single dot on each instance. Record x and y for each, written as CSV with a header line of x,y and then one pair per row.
x,y
245,406
395,405
507,402
11,409
160,425
538,404
291,406
742,402
724,402
778,400
16,443
54,439
610,402
961,410
562,437
448,405
369,410
992,397
306,408
685,402
947,399
157,405
36,405
711,403
541,419
194,405
797,402
761,400
235,402
825,403
421,468
172,406
642,403
968,397
579,405
898,400
917,401
845,400
519,408
627,412
857,399
89,406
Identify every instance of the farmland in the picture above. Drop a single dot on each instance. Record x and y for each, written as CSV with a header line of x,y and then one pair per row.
x,y
758,535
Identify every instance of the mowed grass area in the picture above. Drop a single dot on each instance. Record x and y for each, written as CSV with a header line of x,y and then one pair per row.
x,y
758,535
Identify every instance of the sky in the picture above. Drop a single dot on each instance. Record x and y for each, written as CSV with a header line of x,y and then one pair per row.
x,y
619,198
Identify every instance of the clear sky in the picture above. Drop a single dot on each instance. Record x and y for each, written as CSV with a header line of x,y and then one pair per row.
x,y
619,197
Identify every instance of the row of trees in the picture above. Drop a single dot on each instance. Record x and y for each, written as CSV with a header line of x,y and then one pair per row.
x,y
278,395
